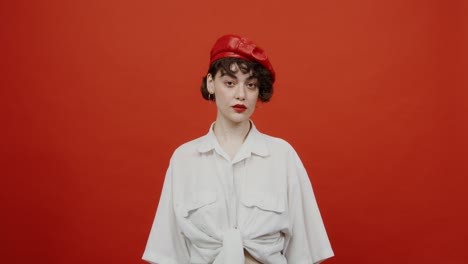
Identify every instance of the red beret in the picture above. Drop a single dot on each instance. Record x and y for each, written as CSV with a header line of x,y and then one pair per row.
x,y
232,46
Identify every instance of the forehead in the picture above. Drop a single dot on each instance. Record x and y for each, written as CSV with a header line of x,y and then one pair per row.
x,y
235,70
236,75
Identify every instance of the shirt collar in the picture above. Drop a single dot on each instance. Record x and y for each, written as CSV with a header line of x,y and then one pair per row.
x,y
255,143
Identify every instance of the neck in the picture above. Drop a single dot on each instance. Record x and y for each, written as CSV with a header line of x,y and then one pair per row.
x,y
231,132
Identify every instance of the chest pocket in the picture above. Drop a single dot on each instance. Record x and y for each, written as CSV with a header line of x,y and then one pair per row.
x,y
271,202
196,201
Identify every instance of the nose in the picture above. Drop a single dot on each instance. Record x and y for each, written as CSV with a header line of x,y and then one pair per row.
x,y
240,92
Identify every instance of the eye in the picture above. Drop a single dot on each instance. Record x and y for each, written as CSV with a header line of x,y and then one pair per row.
x,y
252,85
229,83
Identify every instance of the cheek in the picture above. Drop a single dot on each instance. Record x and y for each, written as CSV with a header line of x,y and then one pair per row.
x,y
254,96
221,96
221,99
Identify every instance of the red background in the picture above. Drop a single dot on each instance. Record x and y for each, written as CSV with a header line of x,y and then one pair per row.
x,y
95,96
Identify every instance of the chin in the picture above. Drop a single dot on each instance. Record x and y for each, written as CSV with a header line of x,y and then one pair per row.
x,y
239,119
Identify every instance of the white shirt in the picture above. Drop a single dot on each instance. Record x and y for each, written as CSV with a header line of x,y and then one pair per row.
x,y
212,207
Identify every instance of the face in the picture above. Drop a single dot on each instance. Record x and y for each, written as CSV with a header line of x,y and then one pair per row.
x,y
236,95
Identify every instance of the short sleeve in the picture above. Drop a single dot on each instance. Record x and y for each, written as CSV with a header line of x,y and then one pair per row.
x,y
308,241
166,244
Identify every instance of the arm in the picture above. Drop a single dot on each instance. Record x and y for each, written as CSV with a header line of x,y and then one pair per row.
x,y
308,239
166,244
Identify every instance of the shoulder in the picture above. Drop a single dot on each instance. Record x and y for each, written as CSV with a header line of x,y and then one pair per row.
x,y
189,148
277,144
281,149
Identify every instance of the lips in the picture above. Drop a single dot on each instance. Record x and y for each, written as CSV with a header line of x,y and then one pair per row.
x,y
239,108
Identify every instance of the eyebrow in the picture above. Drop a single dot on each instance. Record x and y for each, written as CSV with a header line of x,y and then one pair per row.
x,y
228,74
251,77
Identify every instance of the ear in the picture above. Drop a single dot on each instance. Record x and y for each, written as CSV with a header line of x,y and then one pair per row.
x,y
210,83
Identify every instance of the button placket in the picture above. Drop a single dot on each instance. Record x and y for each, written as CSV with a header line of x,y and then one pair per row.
x,y
233,197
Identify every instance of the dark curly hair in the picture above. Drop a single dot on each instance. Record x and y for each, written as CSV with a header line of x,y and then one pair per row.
x,y
264,77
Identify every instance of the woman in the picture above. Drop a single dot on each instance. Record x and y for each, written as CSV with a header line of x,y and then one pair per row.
x,y
236,195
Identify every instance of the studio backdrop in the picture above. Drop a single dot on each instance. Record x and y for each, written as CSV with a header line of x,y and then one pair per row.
x,y
96,95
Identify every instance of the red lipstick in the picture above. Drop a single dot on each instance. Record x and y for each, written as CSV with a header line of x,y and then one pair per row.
x,y
239,108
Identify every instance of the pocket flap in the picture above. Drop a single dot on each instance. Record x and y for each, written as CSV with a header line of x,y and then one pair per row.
x,y
266,201
197,200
